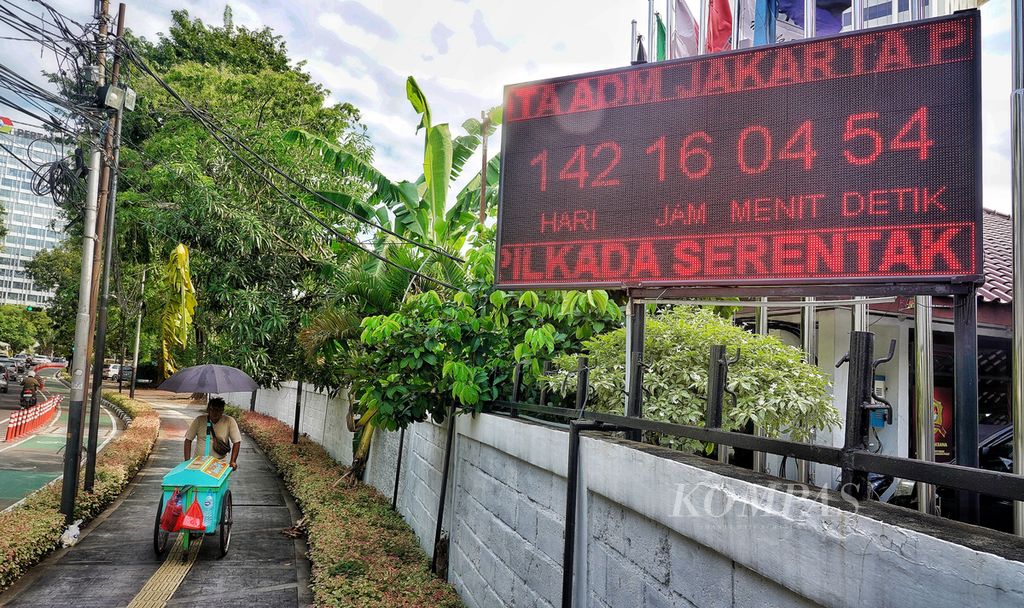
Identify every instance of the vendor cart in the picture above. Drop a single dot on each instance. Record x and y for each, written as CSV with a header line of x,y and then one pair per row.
x,y
203,479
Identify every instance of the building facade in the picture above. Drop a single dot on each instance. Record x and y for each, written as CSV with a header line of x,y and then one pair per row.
x,y
29,218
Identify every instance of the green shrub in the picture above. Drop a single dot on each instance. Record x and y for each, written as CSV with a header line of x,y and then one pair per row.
x,y
32,530
774,387
363,553
234,411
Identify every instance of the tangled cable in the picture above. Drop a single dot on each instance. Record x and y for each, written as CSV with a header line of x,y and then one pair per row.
x,y
62,179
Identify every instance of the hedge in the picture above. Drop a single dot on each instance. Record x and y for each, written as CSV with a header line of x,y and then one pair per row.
x,y
33,529
363,553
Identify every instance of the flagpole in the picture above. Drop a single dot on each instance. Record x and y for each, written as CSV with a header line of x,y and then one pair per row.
x,y
811,18
652,44
735,37
702,28
632,43
670,24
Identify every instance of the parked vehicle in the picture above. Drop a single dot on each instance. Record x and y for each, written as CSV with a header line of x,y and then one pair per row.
x,y
995,453
3,383
28,397
111,371
59,360
126,373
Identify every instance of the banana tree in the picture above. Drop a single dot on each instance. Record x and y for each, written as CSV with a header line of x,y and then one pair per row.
x,y
422,210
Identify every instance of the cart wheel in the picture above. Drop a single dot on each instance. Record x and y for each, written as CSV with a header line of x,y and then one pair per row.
x,y
160,535
225,524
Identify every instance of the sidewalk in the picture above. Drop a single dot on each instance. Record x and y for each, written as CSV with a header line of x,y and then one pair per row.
x,y
115,559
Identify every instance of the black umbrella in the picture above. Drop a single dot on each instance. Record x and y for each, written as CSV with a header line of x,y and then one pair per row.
x,y
210,379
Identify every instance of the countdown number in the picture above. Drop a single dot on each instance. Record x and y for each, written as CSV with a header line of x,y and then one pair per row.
x,y
575,170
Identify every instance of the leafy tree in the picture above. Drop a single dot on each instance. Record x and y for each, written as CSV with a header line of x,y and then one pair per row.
x,y
59,270
257,263
22,329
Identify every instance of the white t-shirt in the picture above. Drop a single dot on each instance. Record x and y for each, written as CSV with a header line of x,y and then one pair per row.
x,y
225,429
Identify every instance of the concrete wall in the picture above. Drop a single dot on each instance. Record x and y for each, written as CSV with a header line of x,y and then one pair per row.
x,y
322,417
665,531
659,528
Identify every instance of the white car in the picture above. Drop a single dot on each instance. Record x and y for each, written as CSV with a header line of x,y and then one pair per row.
x,y
112,371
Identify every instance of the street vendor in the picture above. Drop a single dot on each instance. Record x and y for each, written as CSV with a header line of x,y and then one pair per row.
x,y
225,436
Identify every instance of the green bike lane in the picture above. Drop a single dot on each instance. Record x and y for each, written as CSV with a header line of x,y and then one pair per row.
x,y
31,462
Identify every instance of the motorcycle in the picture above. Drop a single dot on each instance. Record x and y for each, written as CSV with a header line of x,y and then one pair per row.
x,y
28,397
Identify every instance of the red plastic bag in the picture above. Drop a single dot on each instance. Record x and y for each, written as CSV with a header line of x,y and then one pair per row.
x,y
171,519
193,519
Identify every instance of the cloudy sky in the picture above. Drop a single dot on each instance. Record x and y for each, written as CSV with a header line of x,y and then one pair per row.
x,y
463,52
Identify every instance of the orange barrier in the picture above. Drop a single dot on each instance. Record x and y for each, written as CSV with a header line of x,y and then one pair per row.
x,y
23,422
42,366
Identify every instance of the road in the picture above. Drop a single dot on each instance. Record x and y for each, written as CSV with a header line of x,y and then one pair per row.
x,y
29,463
113,564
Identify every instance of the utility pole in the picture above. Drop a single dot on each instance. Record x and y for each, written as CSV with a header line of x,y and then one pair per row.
x,y
105,221
79,360
138,335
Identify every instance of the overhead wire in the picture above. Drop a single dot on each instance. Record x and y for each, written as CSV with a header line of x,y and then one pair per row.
x,y
215,132
210,123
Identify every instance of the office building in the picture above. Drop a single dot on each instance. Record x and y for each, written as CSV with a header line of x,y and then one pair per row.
x,y
29,218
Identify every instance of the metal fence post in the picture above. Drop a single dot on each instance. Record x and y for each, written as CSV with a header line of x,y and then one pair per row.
x,y
544,387
718,369
858,392
398,469
444,485
298,412
635,401
582,382
517,386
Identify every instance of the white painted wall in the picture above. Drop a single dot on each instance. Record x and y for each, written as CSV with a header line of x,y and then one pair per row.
x,y
322,417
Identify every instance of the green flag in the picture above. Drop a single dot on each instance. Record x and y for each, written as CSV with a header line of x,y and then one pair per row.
x,y
661,36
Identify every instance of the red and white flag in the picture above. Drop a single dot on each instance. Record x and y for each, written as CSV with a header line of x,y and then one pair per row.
x,y
684,32
719,26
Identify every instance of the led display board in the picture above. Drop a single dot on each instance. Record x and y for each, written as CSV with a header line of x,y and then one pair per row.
x,y
844,160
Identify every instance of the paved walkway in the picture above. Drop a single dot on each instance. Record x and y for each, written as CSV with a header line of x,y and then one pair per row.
x,y
29,463
115,559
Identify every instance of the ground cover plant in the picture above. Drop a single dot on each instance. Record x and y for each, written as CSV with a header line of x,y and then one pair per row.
x,y
33,529
363,553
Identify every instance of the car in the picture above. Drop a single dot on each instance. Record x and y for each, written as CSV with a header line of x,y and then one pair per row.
x,y
59,360
3,383
111,371
995,453
126,373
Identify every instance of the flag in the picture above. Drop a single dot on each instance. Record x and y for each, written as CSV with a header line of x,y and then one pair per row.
x,y
764,22
684,34
641,56
746,19
660,53
719,25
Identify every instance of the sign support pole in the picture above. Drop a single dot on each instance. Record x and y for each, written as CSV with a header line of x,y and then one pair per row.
x,y
634,359
1017,130
965,380
760,458
924,396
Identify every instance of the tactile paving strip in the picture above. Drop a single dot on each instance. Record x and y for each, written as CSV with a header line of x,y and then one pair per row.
x,y
166,580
